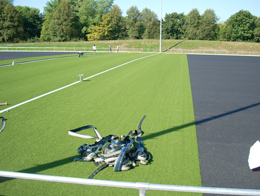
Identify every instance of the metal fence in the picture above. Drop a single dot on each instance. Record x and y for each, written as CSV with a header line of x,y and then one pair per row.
x,y
72,49
142,187
87,49
197,51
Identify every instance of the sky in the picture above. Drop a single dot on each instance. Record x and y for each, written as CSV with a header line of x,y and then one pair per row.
x,y
223,8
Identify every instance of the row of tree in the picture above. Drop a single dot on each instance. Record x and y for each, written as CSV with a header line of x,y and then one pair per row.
x,y
65,20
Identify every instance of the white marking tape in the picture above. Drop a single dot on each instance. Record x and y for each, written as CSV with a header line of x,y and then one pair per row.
x,y
19,104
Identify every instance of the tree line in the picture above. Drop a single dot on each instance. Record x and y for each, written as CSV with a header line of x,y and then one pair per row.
x,y
65,20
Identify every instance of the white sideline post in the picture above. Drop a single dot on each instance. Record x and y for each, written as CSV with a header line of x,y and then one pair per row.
x,y
80,77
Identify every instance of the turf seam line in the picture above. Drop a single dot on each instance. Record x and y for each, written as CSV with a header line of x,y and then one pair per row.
x,y
40,96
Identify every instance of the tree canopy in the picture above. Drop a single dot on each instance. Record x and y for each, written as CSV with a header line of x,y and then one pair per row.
x,y
65,20
134,25
240,26
61,23
192,25
11,28
257,30
208,25
173,26
32,21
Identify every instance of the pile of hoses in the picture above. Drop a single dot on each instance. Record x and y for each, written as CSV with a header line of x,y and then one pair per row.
x,y
2,124
121,152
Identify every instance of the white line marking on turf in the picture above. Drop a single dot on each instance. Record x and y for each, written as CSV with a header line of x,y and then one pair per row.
x,y
19,104
117,67
22,103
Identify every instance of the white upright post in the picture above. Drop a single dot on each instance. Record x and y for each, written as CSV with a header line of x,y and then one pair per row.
x,y
80,77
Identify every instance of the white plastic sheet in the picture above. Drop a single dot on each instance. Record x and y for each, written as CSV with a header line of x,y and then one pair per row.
x,y
254,156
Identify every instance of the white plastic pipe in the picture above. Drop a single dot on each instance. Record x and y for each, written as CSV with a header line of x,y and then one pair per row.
x,y
142,187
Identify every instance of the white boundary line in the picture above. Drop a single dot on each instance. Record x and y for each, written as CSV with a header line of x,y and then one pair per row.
x,y
19,104
118,66
40,96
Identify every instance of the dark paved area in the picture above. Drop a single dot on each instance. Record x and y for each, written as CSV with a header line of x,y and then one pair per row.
x,y
5,55
226,98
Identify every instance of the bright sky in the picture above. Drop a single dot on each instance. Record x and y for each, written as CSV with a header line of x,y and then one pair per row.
x,y
223,8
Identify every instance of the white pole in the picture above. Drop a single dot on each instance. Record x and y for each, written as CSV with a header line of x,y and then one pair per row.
x,y
161,30
141,186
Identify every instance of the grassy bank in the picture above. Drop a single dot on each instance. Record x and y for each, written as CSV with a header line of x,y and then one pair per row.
x,y
166,44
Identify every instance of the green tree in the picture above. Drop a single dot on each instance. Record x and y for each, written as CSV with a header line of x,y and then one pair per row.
x,y
257,30
32,21
221,31
173,26
101,31
134,24
192,25
241,26
3,3
61,23
151,24
208,25
11,24
49,10
224,32
91,11
76,25
102,7
86,15
118,28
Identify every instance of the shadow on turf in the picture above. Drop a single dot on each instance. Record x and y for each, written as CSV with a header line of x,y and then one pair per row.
x,y
50,165
39,168
157,134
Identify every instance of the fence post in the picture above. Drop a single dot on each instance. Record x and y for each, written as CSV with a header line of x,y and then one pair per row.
x,y
142,188
142,192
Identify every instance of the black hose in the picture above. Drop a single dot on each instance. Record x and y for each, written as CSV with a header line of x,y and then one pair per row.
x,y
3,123
98,170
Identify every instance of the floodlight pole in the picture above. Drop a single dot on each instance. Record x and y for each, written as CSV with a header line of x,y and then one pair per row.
x,y
161,30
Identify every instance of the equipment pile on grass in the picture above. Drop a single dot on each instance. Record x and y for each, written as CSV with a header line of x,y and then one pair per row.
x,y
120,152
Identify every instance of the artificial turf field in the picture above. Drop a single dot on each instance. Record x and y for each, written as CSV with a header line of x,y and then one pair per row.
x,y
36,140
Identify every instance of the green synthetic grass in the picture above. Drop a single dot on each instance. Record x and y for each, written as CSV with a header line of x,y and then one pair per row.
x,y
6,62
35,139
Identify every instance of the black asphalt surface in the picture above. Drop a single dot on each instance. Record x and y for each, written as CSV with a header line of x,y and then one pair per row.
x,y
226,98
6,55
